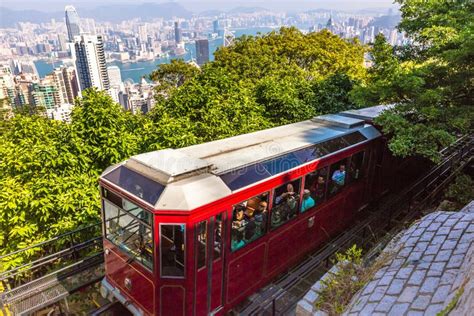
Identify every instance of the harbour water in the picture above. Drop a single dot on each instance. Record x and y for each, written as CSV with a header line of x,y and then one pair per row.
x,y
134,71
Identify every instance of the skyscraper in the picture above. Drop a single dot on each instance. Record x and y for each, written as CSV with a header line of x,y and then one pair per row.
x,y
115,77
215,26
177,32
89,57
202,51
72,23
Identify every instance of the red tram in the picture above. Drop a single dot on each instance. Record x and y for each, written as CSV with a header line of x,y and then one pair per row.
x,y
194,231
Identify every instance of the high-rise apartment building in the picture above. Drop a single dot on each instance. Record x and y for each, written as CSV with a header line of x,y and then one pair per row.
x,y
46,94
73,23
89,57
64,79
202,51
115,77
177,33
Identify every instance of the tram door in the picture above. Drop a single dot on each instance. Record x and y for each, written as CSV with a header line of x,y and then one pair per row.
x,y
209,240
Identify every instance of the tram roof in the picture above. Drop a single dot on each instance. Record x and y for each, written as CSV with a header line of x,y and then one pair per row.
x,y
190,177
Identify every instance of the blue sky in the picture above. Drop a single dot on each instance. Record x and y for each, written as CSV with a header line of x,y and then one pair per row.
x,y
200,5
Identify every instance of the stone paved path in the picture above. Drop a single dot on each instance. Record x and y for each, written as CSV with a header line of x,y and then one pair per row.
x,y
431,262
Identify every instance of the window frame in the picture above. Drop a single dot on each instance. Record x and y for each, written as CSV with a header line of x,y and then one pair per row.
x,y
363,166
301,180
266,222
197,241
326,184
151,226
185,253
346,182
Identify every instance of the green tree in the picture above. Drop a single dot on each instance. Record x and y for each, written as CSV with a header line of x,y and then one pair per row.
x,y
431,84
173,75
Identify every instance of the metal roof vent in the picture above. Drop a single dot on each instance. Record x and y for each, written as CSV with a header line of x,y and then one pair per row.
x,y
338,120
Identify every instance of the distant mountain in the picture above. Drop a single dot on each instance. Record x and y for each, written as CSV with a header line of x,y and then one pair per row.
x,y
146,11
386,21
211,13
110,13
248,10
9,18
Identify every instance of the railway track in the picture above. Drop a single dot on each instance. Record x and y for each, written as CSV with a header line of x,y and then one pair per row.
x,y
72,261
371,234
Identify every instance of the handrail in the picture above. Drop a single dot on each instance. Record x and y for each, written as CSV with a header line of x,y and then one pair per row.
x,y
49,240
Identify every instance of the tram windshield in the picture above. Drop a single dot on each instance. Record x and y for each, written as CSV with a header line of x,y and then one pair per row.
x,y
129,227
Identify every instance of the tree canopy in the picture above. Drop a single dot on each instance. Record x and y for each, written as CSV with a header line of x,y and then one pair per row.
x,y
429,80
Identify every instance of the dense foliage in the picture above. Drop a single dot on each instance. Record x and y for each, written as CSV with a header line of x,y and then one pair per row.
x,y
430,80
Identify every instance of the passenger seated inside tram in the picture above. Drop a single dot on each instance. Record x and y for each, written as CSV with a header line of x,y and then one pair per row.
x,y
308,201
339,176
237,240
250,230
239,216
287,202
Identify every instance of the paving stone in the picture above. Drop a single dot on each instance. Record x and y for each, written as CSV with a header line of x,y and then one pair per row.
x,y
461,225
378,293
405,252
428,258
421,302
433,309
448,277
380,273
317,287
432,249
424,264
421,246
441,294
404,273
368,309
311,296
386,280
398,309
408,294
461,248
436,269
433,227
415,255
451,222
429,285
455,261
449,245
470,229
396,287
443,255
397,263
304,308
437,240
418,232
415,313
441,217
455,234
427,236
411,241
467,237
417,277
360,304
442,231
369,288
385,304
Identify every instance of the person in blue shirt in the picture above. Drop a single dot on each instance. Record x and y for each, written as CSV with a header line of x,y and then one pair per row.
x,y
308,201
339,176
237,240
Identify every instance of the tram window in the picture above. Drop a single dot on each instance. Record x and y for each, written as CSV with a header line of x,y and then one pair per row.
x,y
172,245
338,177
201,241
285,202
249,220
356,166
130,231
315,189
218,237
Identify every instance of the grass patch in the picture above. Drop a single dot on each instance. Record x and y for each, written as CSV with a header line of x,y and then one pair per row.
x,y
339,288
